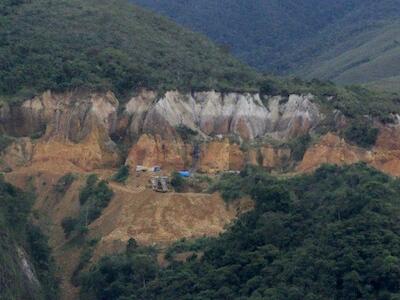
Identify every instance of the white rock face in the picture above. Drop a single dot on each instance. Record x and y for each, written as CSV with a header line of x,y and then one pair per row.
x,y
212,113
74,116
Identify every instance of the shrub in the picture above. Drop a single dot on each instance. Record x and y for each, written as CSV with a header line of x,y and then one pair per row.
x,y
131,246
84,260
93,198
299,146
185,132
122,174
88,189
5,141
362,134
69,225
177,182
64,183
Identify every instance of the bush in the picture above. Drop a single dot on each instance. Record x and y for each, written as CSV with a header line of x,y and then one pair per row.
x,y
362,134
299,146
177,182
84,259
64,183
69,225
122,174
40,253
5,141
186,133
93,198
87,191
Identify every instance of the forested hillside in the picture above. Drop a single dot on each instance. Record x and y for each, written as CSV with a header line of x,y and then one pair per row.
x,y
348,41
331,235
27,268
101,45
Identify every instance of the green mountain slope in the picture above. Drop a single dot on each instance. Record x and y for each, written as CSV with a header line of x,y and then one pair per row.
x,y
348,41
372,56
334,234
64,44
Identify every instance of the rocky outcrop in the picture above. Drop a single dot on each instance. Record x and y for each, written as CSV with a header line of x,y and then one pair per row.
x,y
218,156
89,154
77,127
70,116
386,153
212,113
274,158
214,156
154,151
384,156
18,154
331,149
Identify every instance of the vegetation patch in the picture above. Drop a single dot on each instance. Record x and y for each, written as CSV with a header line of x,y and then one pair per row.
x,y
187,245
178,182
298,146
137,265
122,174
17,232
333,234
93,198
362,134
64,183
187,134
84,260
103,45
5,141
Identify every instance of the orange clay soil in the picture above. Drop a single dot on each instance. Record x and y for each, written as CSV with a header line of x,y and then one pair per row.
x,y
135,211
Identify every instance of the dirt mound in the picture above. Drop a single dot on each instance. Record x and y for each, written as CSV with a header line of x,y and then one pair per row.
x,y
154,218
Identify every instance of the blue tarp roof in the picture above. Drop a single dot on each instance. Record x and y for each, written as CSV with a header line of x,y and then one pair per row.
x,y
184,173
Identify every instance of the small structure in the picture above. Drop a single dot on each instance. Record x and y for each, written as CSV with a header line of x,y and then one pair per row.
x,y
141,168
184,173
160,184
155,169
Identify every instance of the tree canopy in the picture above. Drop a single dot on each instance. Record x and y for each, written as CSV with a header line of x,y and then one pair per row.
x,y
334,234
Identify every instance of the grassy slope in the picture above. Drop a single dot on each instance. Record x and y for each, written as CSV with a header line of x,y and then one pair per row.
x,y
373,57
322,39
387,84
106,44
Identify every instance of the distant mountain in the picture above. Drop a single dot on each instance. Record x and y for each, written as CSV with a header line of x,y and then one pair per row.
x,y
347,41
100,44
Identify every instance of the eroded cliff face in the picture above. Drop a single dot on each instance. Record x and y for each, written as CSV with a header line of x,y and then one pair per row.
x,y
156,151
331,149
210,113
76,128
77,132
210,157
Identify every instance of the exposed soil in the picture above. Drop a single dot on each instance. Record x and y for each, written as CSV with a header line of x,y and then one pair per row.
x,y
135,211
